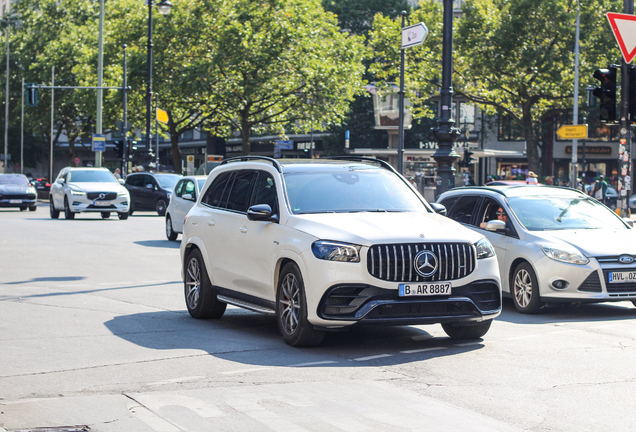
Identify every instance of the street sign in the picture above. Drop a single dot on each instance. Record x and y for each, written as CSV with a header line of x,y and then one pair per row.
x,y
162,116
414,35
624,29
572,132
76,160
99,143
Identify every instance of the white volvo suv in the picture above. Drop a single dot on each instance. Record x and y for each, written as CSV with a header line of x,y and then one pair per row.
x,y
326,244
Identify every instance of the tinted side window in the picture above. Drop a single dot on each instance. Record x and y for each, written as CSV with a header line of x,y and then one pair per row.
x,y
241,188
178,189
265,191
188,188
217,193
148,180
448,203
465,209
136,180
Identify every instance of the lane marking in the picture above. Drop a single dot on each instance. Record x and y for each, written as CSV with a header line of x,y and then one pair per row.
x,y
372,357
244,371
415,351
469,344
318,363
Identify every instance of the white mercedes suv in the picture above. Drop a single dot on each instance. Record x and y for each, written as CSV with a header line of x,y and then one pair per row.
x,y
326,244
79,190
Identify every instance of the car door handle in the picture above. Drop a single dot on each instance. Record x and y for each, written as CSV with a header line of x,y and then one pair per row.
x,y
211,223
243,229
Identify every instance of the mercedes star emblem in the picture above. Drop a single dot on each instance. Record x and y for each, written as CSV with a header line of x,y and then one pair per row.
x,y
425,263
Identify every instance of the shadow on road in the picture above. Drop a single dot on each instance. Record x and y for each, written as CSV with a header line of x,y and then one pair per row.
x,y
159,243
251,338
47,279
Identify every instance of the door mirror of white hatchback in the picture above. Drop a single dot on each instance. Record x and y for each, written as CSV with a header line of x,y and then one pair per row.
x,y
261,212
439,208
187,197
629,222
496,225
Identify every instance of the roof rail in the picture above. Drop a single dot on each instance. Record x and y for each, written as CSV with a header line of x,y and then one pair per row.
x,y
380,162
248,158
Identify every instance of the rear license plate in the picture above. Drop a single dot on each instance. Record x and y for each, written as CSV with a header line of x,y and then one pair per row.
x,y
426,289
15,201
102,203
622,277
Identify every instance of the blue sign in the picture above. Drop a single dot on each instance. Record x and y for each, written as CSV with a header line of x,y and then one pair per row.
x,y
99,143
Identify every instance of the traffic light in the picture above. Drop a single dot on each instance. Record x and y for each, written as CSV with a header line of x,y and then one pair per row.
x,y
132,145
632,95
606,93
31,94
468,158
119,148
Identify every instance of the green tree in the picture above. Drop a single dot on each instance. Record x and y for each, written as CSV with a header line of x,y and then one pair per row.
x,y
276,65
356,16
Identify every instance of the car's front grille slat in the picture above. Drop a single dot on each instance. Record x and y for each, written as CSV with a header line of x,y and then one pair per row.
x,y
395,262
107,195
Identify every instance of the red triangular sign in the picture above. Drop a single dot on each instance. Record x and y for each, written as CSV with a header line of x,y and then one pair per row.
x,y
624,28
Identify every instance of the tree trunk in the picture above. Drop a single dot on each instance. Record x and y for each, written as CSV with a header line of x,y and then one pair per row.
x,y
532,146
174,144
246,131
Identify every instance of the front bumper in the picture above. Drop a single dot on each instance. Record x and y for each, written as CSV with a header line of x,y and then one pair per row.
x,y
80,204
8,201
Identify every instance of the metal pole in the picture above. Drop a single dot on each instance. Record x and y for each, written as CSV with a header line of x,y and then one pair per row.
x,y
625,136
400,155
311,144
100,77
124,128
446,133
149,89
52,111
575,108
157,132
6,106
22,132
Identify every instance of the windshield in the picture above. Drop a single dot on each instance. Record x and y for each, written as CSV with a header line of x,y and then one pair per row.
x,y
167,181
350,191
17,179
540,213
91,176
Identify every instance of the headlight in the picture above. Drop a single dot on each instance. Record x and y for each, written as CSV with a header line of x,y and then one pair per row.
x,y
122,193
566,256
31,191
74,192
484,249
332,251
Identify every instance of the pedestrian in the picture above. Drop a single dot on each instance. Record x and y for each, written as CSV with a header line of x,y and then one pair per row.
x,y
599,191
117,173
531,178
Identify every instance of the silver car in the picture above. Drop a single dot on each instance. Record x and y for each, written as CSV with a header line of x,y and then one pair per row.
x,y
552,244
185,194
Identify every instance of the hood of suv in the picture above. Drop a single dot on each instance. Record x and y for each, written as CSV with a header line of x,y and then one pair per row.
x,y
367,228
594,242
96,187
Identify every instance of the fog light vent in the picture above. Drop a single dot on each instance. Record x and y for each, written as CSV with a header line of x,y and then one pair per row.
x,y
560,284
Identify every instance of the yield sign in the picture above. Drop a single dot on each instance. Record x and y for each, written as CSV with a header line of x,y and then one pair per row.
x,y
624,28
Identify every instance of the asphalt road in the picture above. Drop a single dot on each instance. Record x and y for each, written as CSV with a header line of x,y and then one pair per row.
x,y
94,332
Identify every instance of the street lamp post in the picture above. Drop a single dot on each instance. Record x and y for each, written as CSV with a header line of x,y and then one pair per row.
x,y
445,133
6,105
164,9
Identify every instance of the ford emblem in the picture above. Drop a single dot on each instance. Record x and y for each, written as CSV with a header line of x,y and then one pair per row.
x,y
626,259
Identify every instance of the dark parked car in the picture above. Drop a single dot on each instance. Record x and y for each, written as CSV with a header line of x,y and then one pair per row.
x,y
150,191
43,186
16,191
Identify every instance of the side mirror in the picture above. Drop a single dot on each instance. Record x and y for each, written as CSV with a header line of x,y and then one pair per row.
x,y
121,181
60,181
439,208
149,186
188,197
261,212
629,222
496,225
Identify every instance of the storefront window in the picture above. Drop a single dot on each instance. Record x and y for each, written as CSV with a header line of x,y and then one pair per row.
x,y
596,130
509,129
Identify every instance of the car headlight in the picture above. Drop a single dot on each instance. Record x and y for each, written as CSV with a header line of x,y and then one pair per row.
x,y
332,251
484,249
122,193
80,193
566,256
32,190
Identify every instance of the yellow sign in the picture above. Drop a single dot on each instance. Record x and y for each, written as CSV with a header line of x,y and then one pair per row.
x,y
162,116
572,132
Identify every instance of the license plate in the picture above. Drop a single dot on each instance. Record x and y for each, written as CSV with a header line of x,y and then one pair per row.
x,y
426,289
622,277
102,203
15,201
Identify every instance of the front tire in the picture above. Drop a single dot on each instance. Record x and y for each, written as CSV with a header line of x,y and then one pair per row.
x,y
470,331
54,213
105,215
33,208
172,236
23,208
123,216
68,214
525,290
291,310
200,299
161,207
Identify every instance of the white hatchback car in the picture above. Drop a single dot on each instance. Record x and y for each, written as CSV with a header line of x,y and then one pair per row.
x,y
553,244
94,190
184,195
326,244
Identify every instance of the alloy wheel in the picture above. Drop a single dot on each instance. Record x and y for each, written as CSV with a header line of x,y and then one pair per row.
x,y
523,288
290,303
193,283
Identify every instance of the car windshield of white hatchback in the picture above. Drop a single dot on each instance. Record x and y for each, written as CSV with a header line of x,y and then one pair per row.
x,y
542,213
345,191
167,181
18,180
91,176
